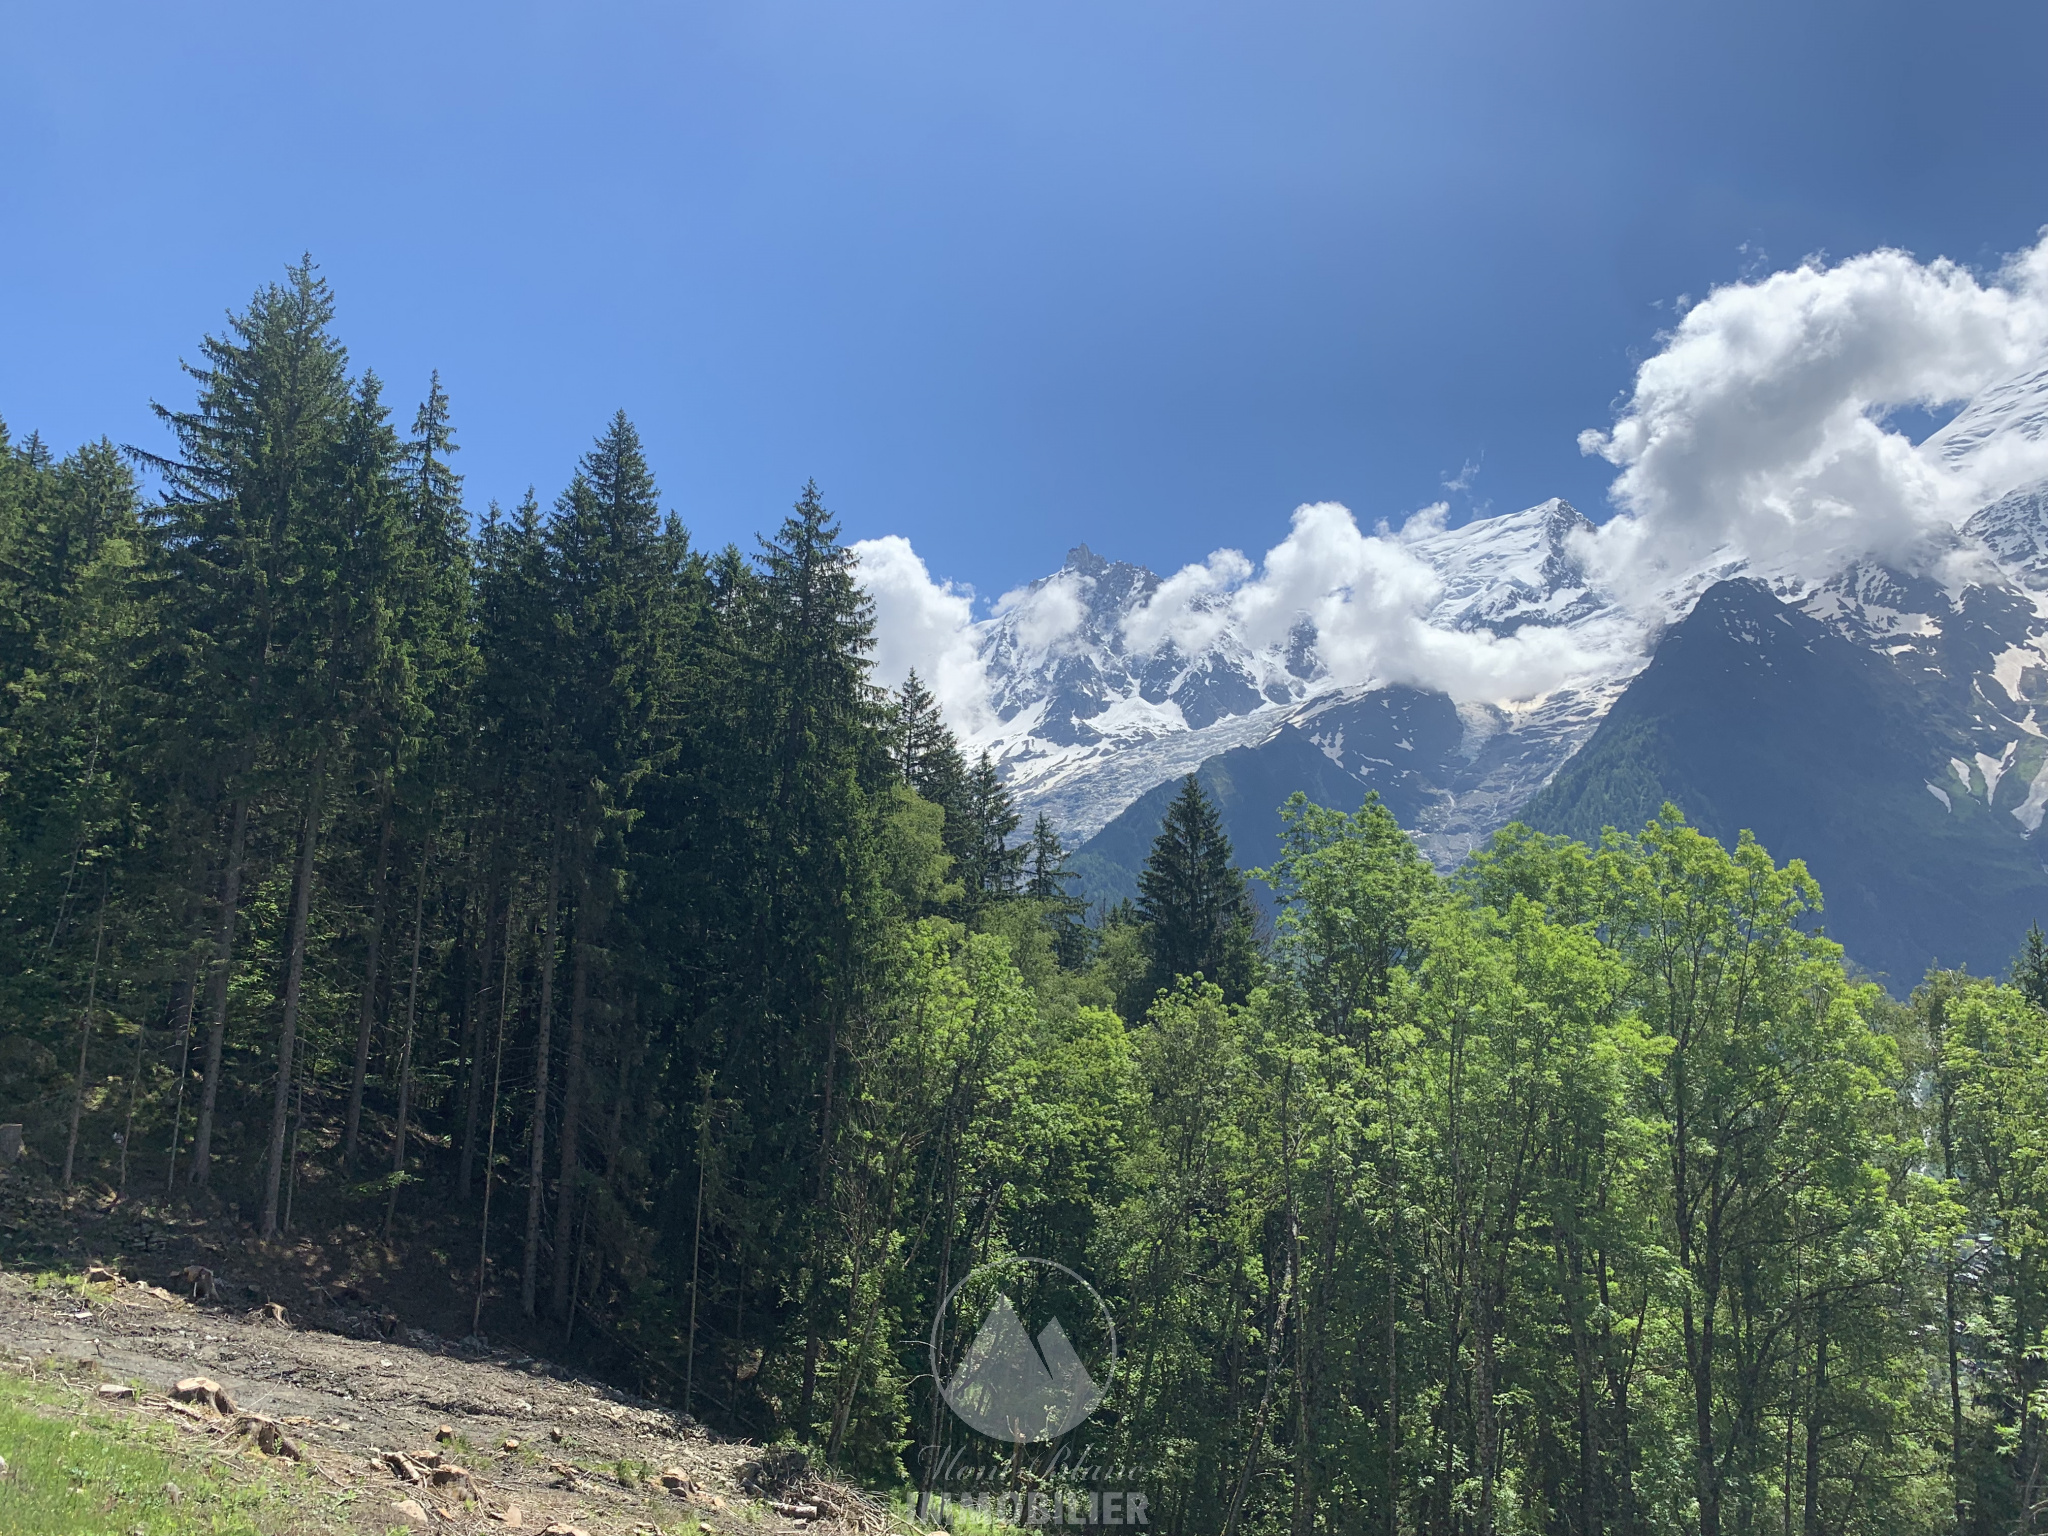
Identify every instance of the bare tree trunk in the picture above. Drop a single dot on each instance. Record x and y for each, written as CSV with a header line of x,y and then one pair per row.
x,y
92,759
291,1187
294,979
412,998
473,1050
1390,1366
537,1166
92,988
568,1179
697,1240
1252,1451
217,990
366,1012
128,1130
815,1340
483,1242
576,1284
190,995
629,1055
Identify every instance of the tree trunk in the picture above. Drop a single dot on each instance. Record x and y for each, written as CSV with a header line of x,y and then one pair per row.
x,y
92,988
814,1342
1810,1523
473,1048
1572,1270
483,1242
697,1240
128,1129
1252,1451
536,1171
1390,1517
294,978
412,998
291,1184
217,991
567,1180
1699,1337
189,996
366,1011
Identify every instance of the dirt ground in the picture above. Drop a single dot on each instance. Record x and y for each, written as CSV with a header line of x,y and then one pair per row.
x,y
539,1446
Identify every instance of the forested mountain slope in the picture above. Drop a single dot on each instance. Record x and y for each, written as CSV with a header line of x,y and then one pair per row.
x,y
1753,716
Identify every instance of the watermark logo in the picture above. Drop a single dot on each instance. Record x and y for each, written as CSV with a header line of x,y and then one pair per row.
x,y
1006,1380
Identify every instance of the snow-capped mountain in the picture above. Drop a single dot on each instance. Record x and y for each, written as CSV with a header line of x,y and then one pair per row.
x,y
1889,724
1087,721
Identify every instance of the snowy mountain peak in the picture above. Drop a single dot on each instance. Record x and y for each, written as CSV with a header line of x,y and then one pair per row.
x,y
1084,561
1095,700
2009,416
1108,679
2015,531
1500,573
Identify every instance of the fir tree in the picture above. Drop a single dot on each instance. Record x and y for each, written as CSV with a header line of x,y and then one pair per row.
x,y
1046,883
991,867
1192,900
2030,968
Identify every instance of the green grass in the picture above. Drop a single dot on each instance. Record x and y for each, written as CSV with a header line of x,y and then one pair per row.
x,y
75,1470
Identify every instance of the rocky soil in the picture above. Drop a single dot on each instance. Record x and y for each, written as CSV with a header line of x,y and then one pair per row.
x,y
425,1433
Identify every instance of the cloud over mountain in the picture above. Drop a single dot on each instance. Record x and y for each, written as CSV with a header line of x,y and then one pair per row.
x,y
923,625
1761,427
1760,436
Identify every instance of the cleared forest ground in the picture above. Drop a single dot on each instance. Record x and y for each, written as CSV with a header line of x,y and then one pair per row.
x,y
380,1432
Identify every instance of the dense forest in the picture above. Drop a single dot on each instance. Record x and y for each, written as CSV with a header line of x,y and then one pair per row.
x,y
365,855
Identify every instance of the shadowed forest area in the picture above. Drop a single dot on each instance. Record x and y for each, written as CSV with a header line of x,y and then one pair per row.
x,y
532,892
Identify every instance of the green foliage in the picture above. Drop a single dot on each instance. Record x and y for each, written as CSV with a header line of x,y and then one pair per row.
x,y
1580,1192
77,1472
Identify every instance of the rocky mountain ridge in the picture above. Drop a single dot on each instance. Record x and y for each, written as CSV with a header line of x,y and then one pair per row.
x,y
1086,721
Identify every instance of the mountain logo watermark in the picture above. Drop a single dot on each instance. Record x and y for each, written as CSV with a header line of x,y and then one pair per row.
x,y
1006,1381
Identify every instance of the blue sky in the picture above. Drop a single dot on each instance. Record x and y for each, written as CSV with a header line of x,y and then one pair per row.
x,y
1002,277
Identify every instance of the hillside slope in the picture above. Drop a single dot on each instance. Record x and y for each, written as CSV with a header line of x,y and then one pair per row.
x,y
1754,716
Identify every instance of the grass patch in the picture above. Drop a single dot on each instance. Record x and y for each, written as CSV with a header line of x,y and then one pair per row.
x,y
74,1470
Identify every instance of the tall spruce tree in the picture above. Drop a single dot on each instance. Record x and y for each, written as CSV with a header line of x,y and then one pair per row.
x,y
1046,879
241,502
2030,967
991,867
1192,900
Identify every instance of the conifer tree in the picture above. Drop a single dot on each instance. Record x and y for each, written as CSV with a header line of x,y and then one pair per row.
x,y
2030,967
991,868
1046,883
253,458
1193,902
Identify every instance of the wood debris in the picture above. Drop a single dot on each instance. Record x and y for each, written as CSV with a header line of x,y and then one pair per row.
x,y
269,1436
205,1391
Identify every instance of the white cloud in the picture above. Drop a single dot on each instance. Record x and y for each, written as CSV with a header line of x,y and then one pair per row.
x,y
1185,607
1756,434
923,625
1759,429
1049,614
1369,597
